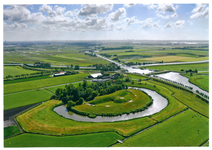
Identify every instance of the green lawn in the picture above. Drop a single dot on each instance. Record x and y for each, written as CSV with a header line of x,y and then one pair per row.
x,y
186,129
16,70
25,98
88,140
199,67
12,130
119,102
35,84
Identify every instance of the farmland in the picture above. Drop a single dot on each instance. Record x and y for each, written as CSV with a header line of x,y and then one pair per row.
x,y
183,122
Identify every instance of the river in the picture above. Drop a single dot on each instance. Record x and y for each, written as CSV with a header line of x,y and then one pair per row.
x,y
159,103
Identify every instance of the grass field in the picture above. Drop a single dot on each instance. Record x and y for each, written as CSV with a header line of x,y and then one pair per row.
x,y
12,130
16,70
25,98
35,84
26,79
117,102
87,140
186,129
199,67
176,59
201,81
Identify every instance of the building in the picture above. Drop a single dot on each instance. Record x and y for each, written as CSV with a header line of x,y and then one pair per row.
x,y
95,75
59,74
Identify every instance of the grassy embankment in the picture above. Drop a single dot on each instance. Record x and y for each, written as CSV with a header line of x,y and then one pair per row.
x,y
186,129
39,119
87,140
25,98
119,102
35,84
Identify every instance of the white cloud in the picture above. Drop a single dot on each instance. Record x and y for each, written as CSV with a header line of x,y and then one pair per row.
x,y
146,23
93,9
15,25
200,11
168,25
190,22
174,15
180,23
163,17
166,8
129,5
115,16
156,25
45,7
152,6
18,13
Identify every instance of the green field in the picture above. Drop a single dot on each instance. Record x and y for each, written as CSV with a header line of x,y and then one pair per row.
x,y
87,140
16,70
201,81
119,102
186,129
25,98
199,67
35,84
11,130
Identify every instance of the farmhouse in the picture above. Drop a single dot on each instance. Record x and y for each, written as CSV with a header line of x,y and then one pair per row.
x,y
59,74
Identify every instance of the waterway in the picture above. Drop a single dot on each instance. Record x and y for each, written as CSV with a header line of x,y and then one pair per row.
x,y
175,76
159,103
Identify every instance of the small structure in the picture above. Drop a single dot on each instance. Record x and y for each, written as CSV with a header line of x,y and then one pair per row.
x,y
59,74
100,80
95,75
120,141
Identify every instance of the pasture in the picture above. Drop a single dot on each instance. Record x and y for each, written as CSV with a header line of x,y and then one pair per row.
x,y
35,84
88,140
25,98
16,70
11,130
186,129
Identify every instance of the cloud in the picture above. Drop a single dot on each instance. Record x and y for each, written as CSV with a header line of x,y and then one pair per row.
x,y
152,6
168,25
45,7
15,25
166,8
190,23
93,9
115,16
200,11
163,17
180,23
129,5
174,15
19,13
156,25
146,23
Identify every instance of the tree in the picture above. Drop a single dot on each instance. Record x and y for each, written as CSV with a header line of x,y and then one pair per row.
x,y
80,101
84,85
132,82
76,67
94,94
72,66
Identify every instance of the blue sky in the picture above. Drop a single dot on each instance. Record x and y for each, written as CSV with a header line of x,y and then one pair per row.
x,y
106,22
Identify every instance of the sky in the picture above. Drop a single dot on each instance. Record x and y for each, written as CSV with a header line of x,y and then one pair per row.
x,y
132,21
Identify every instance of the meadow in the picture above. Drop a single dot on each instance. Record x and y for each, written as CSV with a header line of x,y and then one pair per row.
x,y
16,70
178,68
11,130
25,98
186,129
119,102
36,84
88,140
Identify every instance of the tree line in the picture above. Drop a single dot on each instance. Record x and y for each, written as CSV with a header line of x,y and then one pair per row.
x,y
72,95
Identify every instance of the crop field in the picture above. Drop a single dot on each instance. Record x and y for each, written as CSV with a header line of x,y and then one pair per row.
x,y
88,140
35,84
119,102
25,98
186,129
16,70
